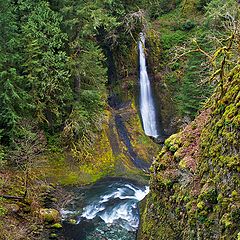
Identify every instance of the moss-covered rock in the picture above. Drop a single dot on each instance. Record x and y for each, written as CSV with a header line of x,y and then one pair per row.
x,y
49,215
57,226
195,178
173,142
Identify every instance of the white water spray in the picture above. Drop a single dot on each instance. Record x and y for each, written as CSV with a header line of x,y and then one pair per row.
x,y
117,205
147,107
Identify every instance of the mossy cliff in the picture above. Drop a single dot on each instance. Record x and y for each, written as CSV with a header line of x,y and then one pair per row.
x,y
195,179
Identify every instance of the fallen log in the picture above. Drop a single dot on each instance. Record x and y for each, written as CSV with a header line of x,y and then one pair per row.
x,y
11,197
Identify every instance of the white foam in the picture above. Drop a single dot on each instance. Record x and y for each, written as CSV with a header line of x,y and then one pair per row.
x,y
66,213
123,211
106,198
138,193
117,207
91,211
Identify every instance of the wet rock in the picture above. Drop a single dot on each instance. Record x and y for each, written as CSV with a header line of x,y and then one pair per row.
x,y
159,140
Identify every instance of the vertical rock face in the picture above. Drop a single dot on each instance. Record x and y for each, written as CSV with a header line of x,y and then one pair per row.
x,y
195,179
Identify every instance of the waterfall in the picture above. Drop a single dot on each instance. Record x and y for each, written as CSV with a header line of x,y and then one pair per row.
x,y
147,108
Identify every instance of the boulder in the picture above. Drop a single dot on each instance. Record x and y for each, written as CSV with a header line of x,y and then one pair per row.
x,y
49,215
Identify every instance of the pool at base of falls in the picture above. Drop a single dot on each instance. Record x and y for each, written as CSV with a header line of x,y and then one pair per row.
x,y
106,210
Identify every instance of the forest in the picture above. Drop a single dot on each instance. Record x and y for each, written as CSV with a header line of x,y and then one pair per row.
x,y
70,118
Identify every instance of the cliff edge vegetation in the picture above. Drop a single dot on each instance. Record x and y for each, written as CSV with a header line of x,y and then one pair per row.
x,y
196,177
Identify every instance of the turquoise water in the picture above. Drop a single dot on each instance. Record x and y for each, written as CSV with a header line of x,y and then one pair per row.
x,y
107,210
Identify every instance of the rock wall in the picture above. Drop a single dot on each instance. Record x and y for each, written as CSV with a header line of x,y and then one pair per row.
x,y
196,177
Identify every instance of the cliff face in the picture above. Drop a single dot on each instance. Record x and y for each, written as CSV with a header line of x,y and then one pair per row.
x,y
196,177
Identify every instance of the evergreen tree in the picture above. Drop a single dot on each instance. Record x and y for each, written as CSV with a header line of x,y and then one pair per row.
x,y
82,21
12,95
47,76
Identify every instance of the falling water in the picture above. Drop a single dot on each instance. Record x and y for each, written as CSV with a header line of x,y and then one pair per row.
x,y
147,107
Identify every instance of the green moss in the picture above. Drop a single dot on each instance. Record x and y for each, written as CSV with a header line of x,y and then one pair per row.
x,y
177,155
3,211
220,197
173,142
53,236
182,164
189,205
49,215
230,161
225,220
3,207
201,205
208,198
209,195
56,226
234,193
63,168
70,179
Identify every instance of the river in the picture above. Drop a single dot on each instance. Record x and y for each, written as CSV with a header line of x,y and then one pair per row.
x,y
107,210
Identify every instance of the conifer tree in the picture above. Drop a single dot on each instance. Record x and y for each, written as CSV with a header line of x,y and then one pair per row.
x,y
82,21
46,63
12,95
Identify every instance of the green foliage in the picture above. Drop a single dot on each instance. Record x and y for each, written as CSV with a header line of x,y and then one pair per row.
x,y
192,92
3,211
59,78
201,5
186,39
157,8
2,155
188,25
9,100
12,95
170,38
45,63
84,124
54,144
219,12
87,69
